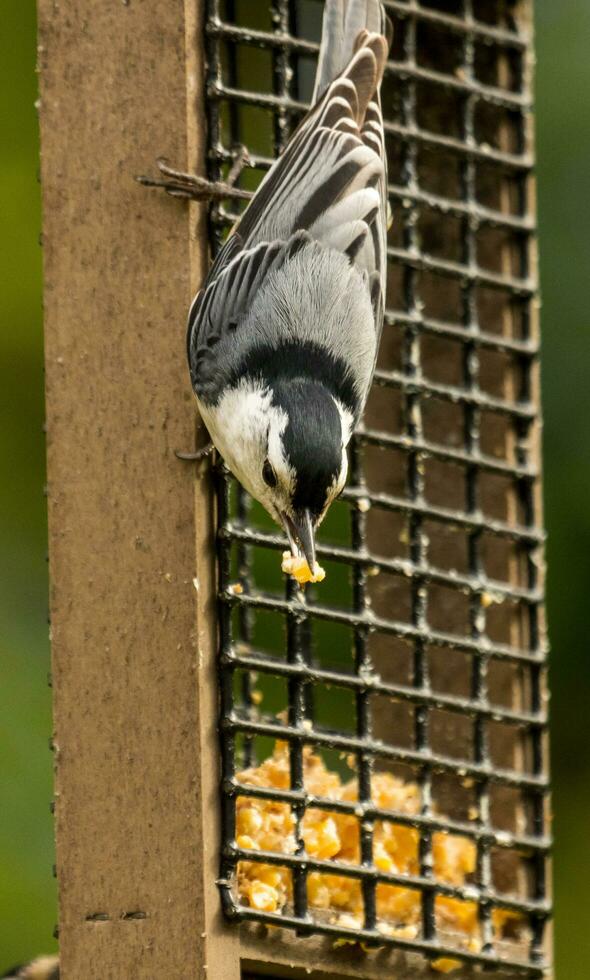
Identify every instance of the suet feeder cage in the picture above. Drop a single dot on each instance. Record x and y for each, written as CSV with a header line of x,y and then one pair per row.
x,y
253,780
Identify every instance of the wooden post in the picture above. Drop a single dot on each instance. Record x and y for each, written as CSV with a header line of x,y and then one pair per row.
x,y
129,528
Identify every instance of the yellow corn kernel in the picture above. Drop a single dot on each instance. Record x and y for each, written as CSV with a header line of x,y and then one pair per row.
x,y
249,820
400,905
345,893
349,922
327,840
384,863
269,875
268,825
263,897
300,570
406,932
445,965
457,914
454,857
318,892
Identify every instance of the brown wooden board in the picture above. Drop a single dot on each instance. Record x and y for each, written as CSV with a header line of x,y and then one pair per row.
x,y
129,528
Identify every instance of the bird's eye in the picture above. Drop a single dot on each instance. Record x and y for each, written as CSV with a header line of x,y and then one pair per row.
x,y
268,474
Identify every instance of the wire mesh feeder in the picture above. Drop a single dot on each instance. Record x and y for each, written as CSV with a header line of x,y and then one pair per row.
x,y
383,734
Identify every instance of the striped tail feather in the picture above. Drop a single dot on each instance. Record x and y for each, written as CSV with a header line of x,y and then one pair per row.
x,y
343,21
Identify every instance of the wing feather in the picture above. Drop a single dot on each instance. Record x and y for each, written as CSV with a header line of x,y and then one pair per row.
x,y
221,304
328,186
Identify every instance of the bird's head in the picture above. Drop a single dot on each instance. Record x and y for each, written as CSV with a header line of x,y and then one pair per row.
x,y
306,459
295,460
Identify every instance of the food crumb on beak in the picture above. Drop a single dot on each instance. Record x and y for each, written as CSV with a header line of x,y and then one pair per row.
x,y
298,567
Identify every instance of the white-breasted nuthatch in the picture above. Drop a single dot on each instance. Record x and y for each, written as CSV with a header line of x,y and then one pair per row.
x,y
283,336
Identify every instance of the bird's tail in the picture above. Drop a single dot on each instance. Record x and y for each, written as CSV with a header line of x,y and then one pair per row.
x,y
343,21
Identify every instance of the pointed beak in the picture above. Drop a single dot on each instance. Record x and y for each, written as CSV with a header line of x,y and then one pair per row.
x,y
301,535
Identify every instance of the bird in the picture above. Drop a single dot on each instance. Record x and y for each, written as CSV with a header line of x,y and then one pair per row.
x,y
42,968
283,336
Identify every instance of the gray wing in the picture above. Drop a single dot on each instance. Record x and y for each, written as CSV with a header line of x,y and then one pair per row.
x,y
220,306
329,183
331,178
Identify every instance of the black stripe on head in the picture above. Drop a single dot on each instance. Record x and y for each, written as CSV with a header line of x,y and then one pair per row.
x,y
300,359
312,440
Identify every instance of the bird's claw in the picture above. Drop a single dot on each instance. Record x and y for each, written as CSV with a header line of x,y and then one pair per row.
x,y
192,187
197,455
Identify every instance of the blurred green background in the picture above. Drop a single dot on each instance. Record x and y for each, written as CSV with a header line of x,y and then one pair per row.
x,y
27,888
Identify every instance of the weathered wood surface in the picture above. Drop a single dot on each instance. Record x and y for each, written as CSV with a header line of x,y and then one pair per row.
x,y
136,779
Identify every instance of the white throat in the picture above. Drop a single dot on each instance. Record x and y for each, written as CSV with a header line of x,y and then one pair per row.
x,y
241,425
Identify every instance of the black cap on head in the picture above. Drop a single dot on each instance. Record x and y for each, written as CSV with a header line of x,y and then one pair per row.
x,y
312,440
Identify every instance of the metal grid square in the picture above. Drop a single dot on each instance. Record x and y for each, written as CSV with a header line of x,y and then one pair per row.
x,y
423,654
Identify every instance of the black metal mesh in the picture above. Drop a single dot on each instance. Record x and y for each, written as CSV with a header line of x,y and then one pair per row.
x,y
423,653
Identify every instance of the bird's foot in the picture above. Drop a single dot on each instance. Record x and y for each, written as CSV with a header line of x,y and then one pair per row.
x,y
196,456
196,188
